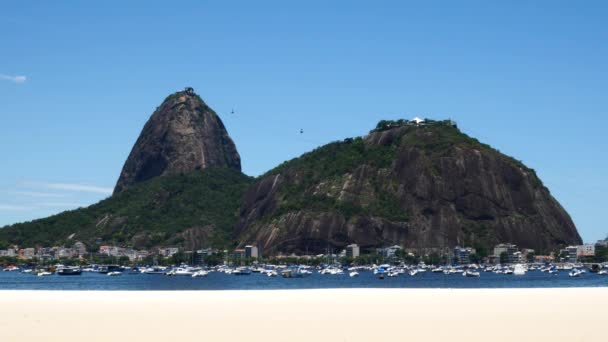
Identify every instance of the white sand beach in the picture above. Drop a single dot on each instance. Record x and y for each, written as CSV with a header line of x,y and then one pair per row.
x,y
573,314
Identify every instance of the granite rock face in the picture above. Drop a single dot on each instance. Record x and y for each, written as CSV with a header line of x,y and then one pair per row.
x,y
416,186
181,136
421,185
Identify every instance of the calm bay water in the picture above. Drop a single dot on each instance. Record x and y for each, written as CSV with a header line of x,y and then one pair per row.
x,y
256,281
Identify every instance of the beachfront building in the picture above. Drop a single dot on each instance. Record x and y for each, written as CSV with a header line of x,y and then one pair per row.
x,y
64,253
586,250
131,254
353,251
206,251
141,255
168,252
462,255
45,253
80,249
238,253
544,259
389,252
7,253
568,254
519,257
27,253
251,251
572,253
105,250
527,255
509,251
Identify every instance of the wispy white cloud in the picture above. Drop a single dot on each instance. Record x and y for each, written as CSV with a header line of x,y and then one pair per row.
x,y
79,188
38,194
16,79
10,207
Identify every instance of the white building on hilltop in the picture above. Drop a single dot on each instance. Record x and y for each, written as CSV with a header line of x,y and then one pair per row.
x,y
417,121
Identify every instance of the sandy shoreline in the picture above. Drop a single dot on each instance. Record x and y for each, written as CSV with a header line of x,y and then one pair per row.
x,y
570,314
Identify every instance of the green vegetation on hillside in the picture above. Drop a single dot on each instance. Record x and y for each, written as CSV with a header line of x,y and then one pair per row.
x,y
330,163
339,157
153,212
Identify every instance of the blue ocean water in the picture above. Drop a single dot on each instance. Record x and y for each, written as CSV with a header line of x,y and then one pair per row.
x,y
256,281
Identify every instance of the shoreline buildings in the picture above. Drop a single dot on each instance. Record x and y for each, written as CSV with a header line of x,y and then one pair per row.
x,y
503,253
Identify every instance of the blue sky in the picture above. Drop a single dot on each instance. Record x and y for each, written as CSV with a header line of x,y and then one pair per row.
x,y
79,79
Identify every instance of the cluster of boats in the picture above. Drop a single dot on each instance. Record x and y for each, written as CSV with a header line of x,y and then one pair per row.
x,y
392,271
300,271
43,272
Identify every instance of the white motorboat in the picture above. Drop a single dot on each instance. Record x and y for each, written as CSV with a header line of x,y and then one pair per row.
x,y
241,271
575,273
11,269
257,269
201,273
412,272
153,270
353,274
181,271
329,270
603,272
470,273
44,274
519,270
296,272
114,274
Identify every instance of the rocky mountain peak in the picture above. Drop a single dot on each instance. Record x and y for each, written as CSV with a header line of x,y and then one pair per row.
x,y
417,184
182,135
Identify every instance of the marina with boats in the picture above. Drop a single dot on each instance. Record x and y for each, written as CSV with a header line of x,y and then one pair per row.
x,y
269,276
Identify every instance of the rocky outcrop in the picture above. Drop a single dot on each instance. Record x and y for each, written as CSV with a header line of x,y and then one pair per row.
x,y
181,136
422,185
426,187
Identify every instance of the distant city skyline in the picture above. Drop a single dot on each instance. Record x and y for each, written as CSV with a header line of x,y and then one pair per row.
x,y
78,82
